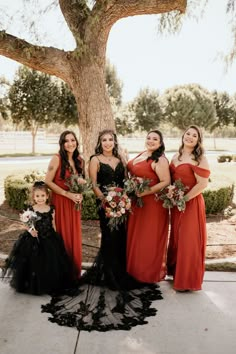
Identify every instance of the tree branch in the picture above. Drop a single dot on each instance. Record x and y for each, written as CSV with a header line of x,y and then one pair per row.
x,y
50,60
75,13
117,9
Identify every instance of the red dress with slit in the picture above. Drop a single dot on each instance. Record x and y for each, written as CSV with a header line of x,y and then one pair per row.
x,y
147,232
68,223
187,244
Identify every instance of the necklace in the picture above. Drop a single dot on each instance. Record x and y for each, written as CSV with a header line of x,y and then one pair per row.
x,y
109,158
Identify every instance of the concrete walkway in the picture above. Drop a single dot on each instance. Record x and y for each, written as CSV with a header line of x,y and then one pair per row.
x,y
201,322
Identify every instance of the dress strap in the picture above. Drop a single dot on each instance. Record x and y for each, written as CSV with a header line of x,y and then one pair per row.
x,y
202,172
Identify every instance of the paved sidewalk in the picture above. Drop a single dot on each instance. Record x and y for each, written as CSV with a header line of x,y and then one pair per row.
x,y
202,322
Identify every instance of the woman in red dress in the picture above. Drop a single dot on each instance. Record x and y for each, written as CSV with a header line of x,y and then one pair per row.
x,y
68,219
148,225
187,244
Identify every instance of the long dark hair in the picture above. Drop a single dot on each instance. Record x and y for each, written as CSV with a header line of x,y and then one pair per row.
x,y
160,151
198,150
98,148
64,157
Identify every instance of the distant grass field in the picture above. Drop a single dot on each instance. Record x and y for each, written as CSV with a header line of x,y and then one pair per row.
x,y
21,144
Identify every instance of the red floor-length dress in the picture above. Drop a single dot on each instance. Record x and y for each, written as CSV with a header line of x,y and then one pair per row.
x,y
187,244
68,223
147,232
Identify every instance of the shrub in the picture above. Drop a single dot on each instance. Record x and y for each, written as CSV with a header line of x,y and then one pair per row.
x,y
35,176
219,199
16,192
89,208
224,158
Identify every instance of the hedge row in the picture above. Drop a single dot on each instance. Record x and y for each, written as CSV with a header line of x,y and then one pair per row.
x,y
17,195
226,158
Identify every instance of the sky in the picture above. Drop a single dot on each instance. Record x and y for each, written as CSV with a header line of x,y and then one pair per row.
x,y
143,58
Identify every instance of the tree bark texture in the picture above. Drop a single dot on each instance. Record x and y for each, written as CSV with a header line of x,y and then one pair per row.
x,y
84,68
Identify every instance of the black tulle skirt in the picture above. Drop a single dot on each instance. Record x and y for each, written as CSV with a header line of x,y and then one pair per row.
x,y
38,265
106,297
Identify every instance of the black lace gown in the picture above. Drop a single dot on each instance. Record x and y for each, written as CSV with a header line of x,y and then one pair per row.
x,y
106,298
38,265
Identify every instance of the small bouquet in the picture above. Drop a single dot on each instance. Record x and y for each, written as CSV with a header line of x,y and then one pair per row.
x,y
174,195
29,218
135,185
77,184
116,205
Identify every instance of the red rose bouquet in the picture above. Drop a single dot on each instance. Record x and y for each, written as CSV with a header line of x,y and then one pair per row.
x,y
117,205
135,185
77,184
174,195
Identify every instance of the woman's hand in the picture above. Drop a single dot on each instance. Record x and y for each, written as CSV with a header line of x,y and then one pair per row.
x,y
33,232
146,192
75,197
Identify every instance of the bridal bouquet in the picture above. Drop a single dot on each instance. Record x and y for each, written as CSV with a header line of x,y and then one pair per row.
x,y
29,218
135,185
174,195
77,184
117,205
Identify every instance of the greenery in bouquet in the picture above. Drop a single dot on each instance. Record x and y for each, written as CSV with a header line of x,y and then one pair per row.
x,y
117,205
77,184
134,185
174,195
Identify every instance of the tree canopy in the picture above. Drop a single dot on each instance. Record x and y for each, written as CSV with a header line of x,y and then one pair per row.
x,y
147,110
188,104
82,68
34,100
225,109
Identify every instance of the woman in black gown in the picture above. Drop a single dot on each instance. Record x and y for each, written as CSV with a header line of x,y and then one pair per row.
x,y
106,297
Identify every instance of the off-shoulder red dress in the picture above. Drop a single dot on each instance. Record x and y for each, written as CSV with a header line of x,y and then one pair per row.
x,y
147,232
68,223
187,243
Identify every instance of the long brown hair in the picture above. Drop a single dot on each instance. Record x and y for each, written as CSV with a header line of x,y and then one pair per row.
x,y
64,157
198,150
98,148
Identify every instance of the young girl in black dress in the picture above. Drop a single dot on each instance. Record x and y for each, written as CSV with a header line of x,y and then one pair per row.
x,y
38,263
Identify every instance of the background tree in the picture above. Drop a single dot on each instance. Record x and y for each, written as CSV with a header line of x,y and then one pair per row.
x,y
83,68
114,84
4,86
67,108
188,104
124,118
3,108
225,109
233,119
34,100
147,110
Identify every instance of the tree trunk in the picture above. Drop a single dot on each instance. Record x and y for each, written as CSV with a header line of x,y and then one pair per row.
x,y
214,140
33,133
33,143
94,107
